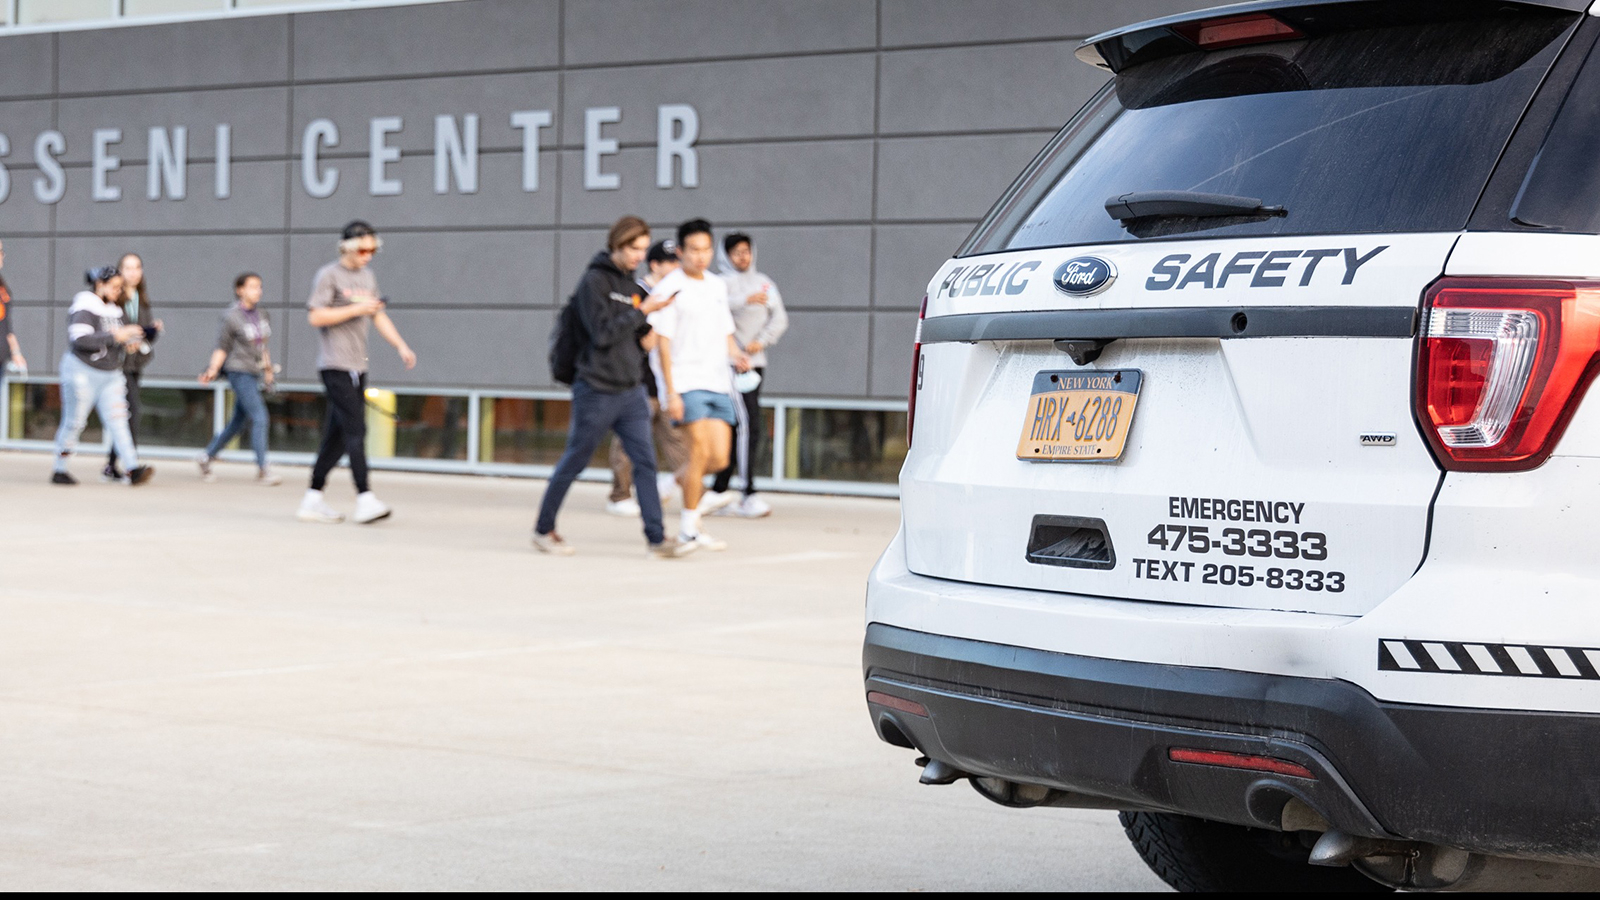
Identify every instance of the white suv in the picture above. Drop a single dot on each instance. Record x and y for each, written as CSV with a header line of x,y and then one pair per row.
x,y
1251,481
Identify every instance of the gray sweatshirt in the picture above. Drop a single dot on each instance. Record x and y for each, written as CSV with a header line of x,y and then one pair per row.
x,y
755,321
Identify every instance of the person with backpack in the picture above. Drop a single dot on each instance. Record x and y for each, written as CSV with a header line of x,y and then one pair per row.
x,y
596,348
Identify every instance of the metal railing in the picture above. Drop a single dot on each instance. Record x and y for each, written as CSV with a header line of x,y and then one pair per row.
x,y
778,480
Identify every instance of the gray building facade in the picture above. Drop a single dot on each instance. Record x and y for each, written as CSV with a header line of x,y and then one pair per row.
x,y
493,141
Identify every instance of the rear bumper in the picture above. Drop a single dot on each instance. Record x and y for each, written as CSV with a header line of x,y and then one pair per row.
x,y
1495,782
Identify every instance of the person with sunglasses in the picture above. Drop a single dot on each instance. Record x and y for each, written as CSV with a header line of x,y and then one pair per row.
x,y
344,307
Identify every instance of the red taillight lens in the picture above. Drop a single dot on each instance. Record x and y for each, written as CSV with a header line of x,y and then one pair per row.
x,y
1502,366
1235,31
1244,761
916,373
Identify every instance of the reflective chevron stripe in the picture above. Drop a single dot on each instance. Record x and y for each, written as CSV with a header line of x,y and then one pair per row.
x,y
1399,655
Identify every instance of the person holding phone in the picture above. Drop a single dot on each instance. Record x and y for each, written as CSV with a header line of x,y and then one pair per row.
x,y
98,338
608,393
242,355
661,260
344,308
136,310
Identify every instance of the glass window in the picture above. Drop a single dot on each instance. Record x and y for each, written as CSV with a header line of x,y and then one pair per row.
x,y
175,417
1562,188
528,432
135,8
430,427
40,12
761,461
846,444
296,420
40,408
1372,130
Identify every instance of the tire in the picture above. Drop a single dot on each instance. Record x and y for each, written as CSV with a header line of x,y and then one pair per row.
x,y
1194,855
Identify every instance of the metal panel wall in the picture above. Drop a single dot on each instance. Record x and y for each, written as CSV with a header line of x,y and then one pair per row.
x,y
859,140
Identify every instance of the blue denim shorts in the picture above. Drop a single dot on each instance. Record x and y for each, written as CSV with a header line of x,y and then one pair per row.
x,y
699,405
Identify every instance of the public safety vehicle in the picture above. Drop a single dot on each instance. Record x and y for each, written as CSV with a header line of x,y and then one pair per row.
x,y
1252,489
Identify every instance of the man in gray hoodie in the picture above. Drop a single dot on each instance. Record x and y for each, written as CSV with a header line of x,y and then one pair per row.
x,y
759,320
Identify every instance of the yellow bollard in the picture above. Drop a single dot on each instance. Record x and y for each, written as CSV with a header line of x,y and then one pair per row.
x,y
791,445
485,429
19,411
381,408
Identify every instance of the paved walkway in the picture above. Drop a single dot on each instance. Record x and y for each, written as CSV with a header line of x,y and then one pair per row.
x,y
198,691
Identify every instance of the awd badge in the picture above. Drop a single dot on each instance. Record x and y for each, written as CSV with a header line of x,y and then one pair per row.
x,y
1084,275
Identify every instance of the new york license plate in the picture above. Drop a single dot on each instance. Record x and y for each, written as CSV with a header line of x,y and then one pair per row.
x,y
1080,415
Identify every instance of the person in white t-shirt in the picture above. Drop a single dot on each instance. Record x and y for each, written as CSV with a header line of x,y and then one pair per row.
x,y
697,355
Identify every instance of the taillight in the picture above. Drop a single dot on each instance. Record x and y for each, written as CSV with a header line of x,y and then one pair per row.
x,y
1236,31
916,372
1502,367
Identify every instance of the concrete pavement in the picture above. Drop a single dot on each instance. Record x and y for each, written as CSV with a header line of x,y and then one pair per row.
x,y
199,691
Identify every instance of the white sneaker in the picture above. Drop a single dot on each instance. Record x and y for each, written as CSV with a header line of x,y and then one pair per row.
x,y
267,478
667,488
711,501
707,542
204,462
553,544
314,509
370,509
627,507
751,507
673,549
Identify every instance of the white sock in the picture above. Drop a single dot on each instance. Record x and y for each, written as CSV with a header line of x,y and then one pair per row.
x,y
312,496
689,523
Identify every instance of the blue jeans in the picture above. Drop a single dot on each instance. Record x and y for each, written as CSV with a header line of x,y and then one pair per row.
x,y
593,414
83,387
247,407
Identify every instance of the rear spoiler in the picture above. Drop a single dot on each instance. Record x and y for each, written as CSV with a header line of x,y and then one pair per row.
x,y
1268,20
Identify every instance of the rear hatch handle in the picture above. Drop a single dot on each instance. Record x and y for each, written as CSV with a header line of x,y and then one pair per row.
x,y
1162,204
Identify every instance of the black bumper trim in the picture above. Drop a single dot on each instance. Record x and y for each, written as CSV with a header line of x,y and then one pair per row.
x,y
1497,782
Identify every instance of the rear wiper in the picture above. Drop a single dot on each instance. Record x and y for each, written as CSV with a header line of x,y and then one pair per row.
x,y
1169,204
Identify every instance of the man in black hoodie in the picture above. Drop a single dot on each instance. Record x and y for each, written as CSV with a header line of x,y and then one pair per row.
x,y
608,393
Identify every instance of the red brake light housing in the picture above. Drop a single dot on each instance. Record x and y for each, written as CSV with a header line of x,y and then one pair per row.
x,y
1502,366
916,373
1236,31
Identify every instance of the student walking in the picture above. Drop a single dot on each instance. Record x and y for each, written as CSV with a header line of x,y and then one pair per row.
x,y
10,351
698,355
241,355
759,320
661,260
344,307
135,303
607,318
91,374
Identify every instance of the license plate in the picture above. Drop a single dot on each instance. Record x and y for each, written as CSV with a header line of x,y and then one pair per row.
x,y
1079,415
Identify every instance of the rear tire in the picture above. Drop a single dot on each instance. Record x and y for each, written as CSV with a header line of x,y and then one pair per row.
x,y
1194,855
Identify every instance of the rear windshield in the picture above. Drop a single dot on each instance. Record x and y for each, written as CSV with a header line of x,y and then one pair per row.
x,y
1390,129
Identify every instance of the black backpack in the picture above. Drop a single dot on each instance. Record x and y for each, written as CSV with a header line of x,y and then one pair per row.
x,y
566,343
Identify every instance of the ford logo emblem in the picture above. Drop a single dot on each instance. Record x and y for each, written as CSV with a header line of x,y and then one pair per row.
x,y
1084,275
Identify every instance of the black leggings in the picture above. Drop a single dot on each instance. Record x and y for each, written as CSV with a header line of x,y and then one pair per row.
x,y
747,441
344,432
133,416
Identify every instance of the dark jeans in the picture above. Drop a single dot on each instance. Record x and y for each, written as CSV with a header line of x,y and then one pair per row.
x,y
133,415
747,438
248,408
344,432
593,414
